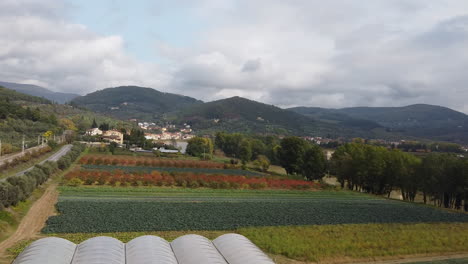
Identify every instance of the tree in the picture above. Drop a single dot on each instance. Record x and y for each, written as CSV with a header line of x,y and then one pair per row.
x,y
262,162
245,151
200,147
314,163
112,146
48,134
68,124
94,125
104,126
291,154
258,148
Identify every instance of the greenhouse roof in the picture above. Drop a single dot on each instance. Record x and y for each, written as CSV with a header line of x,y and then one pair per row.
x,y
188,249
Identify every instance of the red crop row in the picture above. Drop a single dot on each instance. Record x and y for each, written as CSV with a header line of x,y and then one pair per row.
x,y
191,180
148,162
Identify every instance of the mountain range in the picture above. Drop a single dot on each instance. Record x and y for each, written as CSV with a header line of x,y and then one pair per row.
x,y
39,91
243,115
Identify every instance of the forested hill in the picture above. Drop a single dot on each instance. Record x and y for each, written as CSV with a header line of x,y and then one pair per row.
x,y
243,115
127,102
35,90
31,116
11,95
420,120
240,114
20,115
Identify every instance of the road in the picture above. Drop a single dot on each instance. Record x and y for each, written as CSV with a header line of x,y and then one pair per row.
x,y
10,157
56,156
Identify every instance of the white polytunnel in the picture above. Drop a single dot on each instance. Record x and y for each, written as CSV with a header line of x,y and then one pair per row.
x,y
229,245
149,250
100,250
188,249
195,249
51,250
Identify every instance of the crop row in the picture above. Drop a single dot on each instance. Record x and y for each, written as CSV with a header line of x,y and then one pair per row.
x,y
137,169
102,215
25,158
155,178
148,162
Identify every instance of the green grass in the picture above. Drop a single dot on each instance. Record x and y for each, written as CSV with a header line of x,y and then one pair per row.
x,y
328,242
321,243
110,209
144,191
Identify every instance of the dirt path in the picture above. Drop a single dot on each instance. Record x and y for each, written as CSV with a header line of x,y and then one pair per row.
x,y
34,220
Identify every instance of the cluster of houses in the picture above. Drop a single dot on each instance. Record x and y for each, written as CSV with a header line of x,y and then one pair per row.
x,y
109,135
117,136
168,136
319,140
163,132
152,126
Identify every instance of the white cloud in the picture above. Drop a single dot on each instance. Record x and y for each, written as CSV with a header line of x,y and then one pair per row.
x,y
38,46
332,54
336,53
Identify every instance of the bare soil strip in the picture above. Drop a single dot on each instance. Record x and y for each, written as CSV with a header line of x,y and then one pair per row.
x,y
34,220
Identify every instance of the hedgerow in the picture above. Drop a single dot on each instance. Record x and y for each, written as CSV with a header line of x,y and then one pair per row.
x,y
18,188
25,158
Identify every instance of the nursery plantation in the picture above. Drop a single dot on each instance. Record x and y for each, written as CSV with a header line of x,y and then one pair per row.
x,y
151,210
126,196
171,169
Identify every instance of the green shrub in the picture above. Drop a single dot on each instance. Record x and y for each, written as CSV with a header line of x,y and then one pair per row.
x,y
75,182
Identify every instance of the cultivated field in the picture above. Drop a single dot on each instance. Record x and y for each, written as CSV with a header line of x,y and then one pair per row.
x,y
126,197
107,209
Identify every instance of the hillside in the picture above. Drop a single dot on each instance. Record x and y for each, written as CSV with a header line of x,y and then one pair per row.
x,y
243,115
328,115
31,116
420,120
127,102
19,117
38,91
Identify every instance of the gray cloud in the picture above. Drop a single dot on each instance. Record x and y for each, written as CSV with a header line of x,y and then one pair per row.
x,y
334,54
285,52
252,65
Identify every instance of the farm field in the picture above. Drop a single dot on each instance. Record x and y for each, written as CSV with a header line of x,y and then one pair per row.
x,y
160,209
131,169
327,243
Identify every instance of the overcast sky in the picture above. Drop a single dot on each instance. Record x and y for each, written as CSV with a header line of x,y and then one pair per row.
x,y
334,53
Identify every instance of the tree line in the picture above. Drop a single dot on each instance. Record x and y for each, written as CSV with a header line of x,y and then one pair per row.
x,y
296,155
441,178
15,189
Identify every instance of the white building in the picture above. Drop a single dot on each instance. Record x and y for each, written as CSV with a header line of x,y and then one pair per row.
x,y
94,132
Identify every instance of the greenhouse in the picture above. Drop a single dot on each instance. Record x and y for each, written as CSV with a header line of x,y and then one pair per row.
x,y
188,249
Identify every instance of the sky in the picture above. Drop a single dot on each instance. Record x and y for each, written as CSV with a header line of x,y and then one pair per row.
x,y
335,53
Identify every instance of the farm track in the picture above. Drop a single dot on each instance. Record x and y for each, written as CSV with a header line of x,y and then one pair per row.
x,y
33,222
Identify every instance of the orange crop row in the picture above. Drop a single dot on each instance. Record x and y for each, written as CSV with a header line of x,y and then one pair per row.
x,y
148,162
